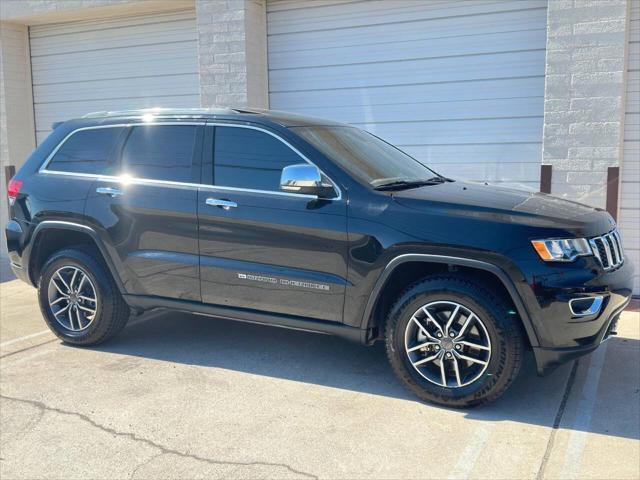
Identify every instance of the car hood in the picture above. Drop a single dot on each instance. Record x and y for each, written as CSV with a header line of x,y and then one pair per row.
x,y
508,205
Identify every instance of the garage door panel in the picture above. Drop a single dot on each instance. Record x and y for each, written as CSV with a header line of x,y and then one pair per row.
x,y
355,15
481,67
175,85
501,153
141,62
148,67
111,40
634,55
128,23
465,27
367,97
489,171
427,48
124,63
629,217
459,132
415,111
632,127
459,85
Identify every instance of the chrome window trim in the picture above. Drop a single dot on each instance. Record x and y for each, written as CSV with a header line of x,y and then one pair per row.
x,y
167,183
148,181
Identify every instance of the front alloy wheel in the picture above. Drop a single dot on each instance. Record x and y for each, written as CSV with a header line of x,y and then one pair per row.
x,y
447,344
454,340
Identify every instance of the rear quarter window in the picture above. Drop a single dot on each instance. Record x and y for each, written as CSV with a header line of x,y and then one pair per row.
x,y
87,151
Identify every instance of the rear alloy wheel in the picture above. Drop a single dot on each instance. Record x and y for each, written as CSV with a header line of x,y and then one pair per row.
x,y
72,298
79,299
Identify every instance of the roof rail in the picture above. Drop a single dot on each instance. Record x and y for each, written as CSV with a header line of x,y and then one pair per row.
x,y
162,111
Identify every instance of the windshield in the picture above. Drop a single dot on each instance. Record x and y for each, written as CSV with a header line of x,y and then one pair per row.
x,y
366,157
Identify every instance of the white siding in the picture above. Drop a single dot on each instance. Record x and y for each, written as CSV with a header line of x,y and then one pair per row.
x,y
132,62
629,220
459,85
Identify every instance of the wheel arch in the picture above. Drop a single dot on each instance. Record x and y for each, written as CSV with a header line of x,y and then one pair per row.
x,y
440,263
74,234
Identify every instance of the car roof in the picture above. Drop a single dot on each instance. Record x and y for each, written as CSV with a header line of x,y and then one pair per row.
x,y
285,119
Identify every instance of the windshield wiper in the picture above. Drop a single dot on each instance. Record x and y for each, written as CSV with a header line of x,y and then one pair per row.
x,y
406,184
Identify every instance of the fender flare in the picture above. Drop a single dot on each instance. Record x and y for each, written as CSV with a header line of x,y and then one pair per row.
x,y
367,318
66,225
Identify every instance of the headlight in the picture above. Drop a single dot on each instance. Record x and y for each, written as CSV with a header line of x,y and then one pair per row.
x,y
566,250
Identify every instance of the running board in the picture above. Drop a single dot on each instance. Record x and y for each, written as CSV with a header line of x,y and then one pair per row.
x,y
148,302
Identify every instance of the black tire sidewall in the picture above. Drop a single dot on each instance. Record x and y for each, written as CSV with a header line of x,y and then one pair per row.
x,y
493,314
101,283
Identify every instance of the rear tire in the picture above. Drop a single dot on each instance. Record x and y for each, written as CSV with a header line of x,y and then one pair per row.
x,y
446,362
70,279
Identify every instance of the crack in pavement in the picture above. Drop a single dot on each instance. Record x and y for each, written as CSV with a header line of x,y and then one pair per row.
x,y
15,352
163,450
146,462
558,419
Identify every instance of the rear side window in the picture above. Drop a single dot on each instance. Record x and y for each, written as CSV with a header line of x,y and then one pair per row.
x,y
87,151
161,152
248,158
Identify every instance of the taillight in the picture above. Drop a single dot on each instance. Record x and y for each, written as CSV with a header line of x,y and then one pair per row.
x,y
13,189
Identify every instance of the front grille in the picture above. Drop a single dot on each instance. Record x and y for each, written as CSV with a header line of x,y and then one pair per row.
x,y
608,250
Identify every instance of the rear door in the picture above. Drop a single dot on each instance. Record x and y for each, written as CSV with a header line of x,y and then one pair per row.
x,y
267,250
147,211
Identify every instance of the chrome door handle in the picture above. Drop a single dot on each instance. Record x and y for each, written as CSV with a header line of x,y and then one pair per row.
x,y
112,192
224,204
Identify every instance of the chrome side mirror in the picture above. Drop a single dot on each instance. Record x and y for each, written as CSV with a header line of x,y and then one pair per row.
x,y
305,179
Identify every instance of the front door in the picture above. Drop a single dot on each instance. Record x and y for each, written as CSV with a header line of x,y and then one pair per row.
x,y
260,248
147,210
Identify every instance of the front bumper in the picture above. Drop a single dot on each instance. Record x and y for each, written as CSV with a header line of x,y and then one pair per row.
x,y
565,335
548,359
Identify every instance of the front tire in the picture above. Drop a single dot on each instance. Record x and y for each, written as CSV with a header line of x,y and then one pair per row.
x,y
454,342
79,299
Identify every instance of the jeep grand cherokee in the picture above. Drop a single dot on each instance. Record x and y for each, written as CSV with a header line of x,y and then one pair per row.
x,y
274,218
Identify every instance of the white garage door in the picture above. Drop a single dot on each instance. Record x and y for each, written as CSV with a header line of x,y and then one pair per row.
x,y
630,173
133,62
459,85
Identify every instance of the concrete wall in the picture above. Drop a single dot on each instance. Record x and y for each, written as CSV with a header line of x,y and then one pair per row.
x,y
17,136
232,52
584,95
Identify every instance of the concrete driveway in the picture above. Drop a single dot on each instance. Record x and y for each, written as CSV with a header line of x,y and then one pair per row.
x,y
182,396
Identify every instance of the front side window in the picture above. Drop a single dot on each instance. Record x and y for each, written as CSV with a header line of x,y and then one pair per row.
x,y
248,158
87,151
160,152
365,156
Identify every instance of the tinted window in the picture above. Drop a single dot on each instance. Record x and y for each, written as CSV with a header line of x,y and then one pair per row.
x,y
160,152
247,158
87,151
365,156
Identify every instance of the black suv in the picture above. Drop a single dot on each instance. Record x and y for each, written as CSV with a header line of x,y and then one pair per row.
x,y
274,218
